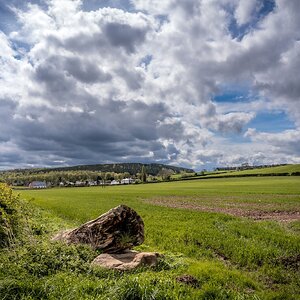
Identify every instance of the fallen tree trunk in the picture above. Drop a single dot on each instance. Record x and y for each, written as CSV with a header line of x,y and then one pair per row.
x,y
121,228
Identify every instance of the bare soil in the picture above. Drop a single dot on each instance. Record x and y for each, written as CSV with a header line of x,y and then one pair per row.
x,y
189,280
259,209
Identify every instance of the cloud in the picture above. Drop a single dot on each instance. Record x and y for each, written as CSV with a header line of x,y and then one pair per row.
x,y
123,35
84,70
285,142
7,108
232,122
245,11
110,85
6,50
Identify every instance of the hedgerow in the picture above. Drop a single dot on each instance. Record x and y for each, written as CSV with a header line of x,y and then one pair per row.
x,y
11,219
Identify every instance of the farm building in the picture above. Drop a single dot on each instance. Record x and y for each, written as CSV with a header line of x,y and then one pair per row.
x,y
115,182
37,185
127,181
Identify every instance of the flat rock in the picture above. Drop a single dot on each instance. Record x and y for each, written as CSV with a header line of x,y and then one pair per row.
x,y
119,229
126,261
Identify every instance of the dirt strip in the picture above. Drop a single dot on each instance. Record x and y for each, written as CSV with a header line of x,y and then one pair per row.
x,y
254,211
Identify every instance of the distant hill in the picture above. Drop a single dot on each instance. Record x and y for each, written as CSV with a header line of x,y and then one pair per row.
x,y
285,170
276,170
131,168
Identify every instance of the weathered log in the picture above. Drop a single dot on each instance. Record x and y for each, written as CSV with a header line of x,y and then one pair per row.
x,y
119,229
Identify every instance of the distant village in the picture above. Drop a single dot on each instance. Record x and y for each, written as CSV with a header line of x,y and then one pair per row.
x,y
41,179
43,184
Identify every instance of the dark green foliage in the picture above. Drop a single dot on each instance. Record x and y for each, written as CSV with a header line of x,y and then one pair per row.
x,y
131,168
143,174
295,174
85,173
11,218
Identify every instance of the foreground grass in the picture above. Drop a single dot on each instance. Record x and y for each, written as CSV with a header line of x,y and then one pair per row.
x,y
231,257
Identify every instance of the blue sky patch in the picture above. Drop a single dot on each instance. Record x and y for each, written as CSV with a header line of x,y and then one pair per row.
x,y
89,5
146,60
231,93
8,20
239,32
271,122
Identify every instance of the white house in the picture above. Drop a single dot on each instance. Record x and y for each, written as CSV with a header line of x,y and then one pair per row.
x,y
37,185
92,183
115,182
127,181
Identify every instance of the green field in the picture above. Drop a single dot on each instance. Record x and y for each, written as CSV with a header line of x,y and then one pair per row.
x,y
240,237
287,170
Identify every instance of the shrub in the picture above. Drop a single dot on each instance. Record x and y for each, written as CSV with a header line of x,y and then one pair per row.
x,y
10,216
295,174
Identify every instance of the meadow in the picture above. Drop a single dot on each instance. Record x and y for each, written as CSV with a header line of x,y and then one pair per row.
x,y
239,237
285,170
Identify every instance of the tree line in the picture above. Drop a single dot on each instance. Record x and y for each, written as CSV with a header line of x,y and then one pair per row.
x,y
55,178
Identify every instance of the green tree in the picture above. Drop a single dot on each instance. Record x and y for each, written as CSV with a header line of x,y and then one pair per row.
x,y
143,174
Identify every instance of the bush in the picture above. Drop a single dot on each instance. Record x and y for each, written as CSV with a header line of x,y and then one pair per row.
x,y
295,174
10,217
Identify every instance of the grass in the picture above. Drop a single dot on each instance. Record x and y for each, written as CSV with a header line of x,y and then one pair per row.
x,y
231,257
280,170
82,204
270,171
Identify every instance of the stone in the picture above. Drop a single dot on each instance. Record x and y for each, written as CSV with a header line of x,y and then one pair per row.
x,y
126,261
121,228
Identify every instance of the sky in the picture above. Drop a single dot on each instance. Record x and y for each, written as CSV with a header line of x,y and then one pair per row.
x,y
193,83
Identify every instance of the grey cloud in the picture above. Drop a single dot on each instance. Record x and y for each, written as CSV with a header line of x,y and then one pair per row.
x,y
190,7
53,79
172,151
284,89
116,130
133,79
85,70
233,122
230,123
7,109
209,156
117,35
52,72
82,43
7,158
124,35
52,82
172,131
